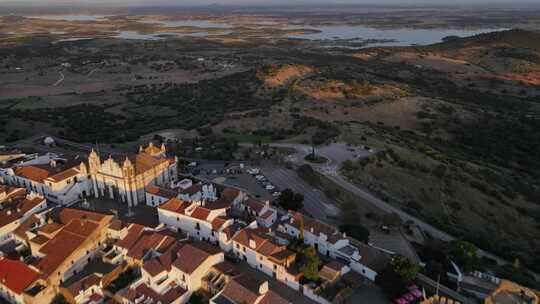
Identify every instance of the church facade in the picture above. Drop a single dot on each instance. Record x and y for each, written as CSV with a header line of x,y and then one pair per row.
x,y
127,180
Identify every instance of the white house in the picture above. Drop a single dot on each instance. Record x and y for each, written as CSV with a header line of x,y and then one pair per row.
x,y
326,239
184,267
198,192
265,215
156,196
60,181
200,222
259,248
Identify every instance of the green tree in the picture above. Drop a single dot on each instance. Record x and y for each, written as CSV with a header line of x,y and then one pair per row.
x,y
356,231
310,264
464,253
289,200
406,269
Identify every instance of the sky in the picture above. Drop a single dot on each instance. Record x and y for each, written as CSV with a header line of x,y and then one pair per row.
x,y
261,2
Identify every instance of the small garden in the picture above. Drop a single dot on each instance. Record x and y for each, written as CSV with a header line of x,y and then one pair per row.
x,y
124,279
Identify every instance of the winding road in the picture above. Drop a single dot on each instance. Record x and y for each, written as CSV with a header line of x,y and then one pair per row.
x,y
336,154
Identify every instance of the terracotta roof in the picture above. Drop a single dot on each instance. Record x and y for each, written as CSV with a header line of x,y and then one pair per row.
x,y
159,264
167,298
69,173
242,289
134,232
151,149
39,239
200,213
31,222
218,222
149,241
271,297
255,205
230,193
231,230
16,275
335,265
12,193
175,205
146,162
246,289
18,209
162,192
372,258
331,271
221,203
84,284
50,228
32,173
264,243
191,256
68,214
58,249
316,226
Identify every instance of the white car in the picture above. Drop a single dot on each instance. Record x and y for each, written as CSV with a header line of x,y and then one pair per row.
x,y
259,177
276,194
270,187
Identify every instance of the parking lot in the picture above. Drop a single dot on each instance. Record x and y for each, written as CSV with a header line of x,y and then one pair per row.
x,y
231,174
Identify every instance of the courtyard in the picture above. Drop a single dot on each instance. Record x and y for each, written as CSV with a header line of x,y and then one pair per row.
x,y
141,214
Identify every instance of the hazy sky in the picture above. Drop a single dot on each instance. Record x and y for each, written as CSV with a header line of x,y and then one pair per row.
x,y
266,2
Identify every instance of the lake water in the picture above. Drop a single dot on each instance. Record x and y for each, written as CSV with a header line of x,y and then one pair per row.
x,y
71,17
193,23
402,37
399,37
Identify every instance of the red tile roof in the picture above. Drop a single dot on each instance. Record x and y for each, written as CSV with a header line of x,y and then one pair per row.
x,y
162,192
191,256
255,205
264,243
218,222
68,214
146,243
161,263
134,232
200,213
230,193
18,210
32,173
16,275
57,250
69,173
175,205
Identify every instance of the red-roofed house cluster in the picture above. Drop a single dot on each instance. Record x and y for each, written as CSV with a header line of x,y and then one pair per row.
x,y
90,257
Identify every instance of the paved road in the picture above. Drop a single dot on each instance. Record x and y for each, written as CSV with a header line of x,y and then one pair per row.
x,y
315,202
62,77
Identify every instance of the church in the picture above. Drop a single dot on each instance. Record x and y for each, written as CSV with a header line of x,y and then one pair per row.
x,y
66,181
126,180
